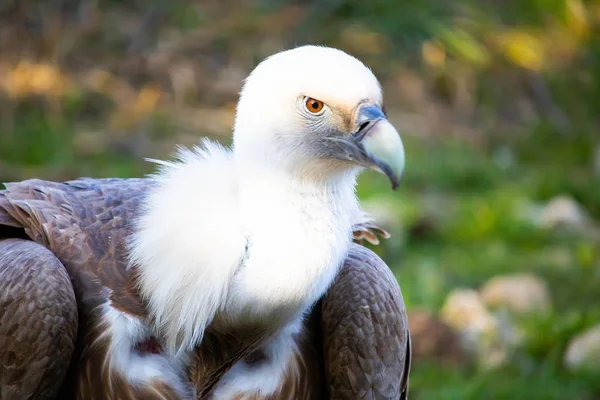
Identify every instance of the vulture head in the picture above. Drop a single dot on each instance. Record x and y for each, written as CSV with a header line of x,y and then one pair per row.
x,y
317,113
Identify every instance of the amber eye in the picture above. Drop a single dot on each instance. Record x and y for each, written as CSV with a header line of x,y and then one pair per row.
x,y
313,106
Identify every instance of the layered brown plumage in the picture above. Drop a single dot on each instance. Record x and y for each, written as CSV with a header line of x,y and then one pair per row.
x,y
354,345
366,339
38,321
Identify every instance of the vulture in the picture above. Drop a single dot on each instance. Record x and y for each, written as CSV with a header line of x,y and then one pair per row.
x,y
229,273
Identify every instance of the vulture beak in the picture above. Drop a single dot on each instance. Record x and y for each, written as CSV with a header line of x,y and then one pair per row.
x,y
376,144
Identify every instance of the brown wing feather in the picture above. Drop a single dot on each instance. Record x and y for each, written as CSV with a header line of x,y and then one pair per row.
x,y
365,331
5,218
407,364
38,321
84,223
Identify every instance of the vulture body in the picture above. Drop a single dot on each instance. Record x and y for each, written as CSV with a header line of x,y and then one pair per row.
x,y
226,275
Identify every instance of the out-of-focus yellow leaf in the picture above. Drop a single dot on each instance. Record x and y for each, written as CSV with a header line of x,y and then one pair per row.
x,y
147,100
111,86
577,18
434,54
463,45
144,104
27,79
523,49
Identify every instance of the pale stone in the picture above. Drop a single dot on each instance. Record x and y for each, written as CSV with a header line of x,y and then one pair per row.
x,y
583,350
520,293
563,211
480,331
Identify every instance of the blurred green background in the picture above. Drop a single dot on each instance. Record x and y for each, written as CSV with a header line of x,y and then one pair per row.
x,y
495,229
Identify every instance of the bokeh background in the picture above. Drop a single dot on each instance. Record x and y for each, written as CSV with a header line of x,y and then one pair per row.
x,y
496,225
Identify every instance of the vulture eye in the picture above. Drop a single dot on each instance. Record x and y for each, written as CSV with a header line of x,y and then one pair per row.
x,y
313,106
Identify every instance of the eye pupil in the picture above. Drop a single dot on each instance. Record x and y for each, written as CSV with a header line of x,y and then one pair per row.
x,y
314,105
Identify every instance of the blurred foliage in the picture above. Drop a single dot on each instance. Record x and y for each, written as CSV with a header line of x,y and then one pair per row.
x,y
498,101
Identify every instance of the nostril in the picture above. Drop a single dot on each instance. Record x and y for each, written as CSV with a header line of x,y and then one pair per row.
x,y
364,125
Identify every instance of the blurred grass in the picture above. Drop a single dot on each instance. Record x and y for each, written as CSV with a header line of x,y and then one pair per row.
x,y
499,104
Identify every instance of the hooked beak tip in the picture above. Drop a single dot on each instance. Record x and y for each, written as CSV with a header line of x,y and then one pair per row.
x,y
385,149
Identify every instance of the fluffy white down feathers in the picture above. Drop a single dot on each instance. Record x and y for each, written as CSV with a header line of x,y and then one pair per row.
x,y
189,242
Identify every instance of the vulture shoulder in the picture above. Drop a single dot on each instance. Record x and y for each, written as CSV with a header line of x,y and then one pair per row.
x,y
84,223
